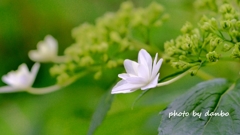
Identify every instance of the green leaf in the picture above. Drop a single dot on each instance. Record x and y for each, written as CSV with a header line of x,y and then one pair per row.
x,y
101,111
139,121
211,96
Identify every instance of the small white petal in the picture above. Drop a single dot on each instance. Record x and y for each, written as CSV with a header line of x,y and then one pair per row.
x,y
22,78
156,67
123,76
144,58
151,84
131,67
135,80
143,72
52,43
34,72
125,87
34,55
46,50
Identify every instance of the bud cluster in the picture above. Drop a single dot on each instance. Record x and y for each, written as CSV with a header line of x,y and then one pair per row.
x,y
209,42
105,44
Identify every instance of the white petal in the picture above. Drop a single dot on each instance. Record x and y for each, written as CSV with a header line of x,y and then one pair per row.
x,y
131,67
21,78
17,78
34,55
144,58
151,84
52,43
156,67
136,80
143,72
123,76
46,50
125,87
34,72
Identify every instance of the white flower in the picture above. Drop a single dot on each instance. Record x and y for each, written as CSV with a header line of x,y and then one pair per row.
x,y
20,79
46,50
142,75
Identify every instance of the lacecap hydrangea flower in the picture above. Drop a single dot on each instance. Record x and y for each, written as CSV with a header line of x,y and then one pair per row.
x,y
21,79
140,75
46,50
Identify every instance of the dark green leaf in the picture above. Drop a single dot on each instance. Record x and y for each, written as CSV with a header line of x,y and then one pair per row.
x,y
212,96
101,111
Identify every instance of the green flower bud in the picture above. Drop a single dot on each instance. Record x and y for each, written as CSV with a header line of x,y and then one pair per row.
x,y
112,64
115,37
98,75
62,78
126,6
213,23
227,47
180,65
226,8
226,25
212,56
236,51
86,61
207,27
187,28
237,24
57,69
105,57
214,42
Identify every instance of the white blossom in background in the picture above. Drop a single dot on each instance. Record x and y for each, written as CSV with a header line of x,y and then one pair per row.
x,y
46,50
140,75
21,79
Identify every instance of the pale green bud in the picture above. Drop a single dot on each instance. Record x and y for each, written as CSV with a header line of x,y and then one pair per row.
x,y
183,57
71,67
214,42
180,65
62,78
57,69
98,75
105,57
86,61
207,27
120,61
230,16
227,47
126,6
115,36
212,56
238,24
226,8
187,28
236,51
226,25
112,64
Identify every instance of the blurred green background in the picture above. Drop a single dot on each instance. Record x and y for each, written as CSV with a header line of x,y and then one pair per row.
x,y
69,111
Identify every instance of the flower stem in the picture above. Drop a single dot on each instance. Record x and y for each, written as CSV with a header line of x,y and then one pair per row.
x,y
9,89
172,80
45,90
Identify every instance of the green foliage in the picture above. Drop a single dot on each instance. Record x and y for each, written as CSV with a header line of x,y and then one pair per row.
x,y
101,111
213,96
